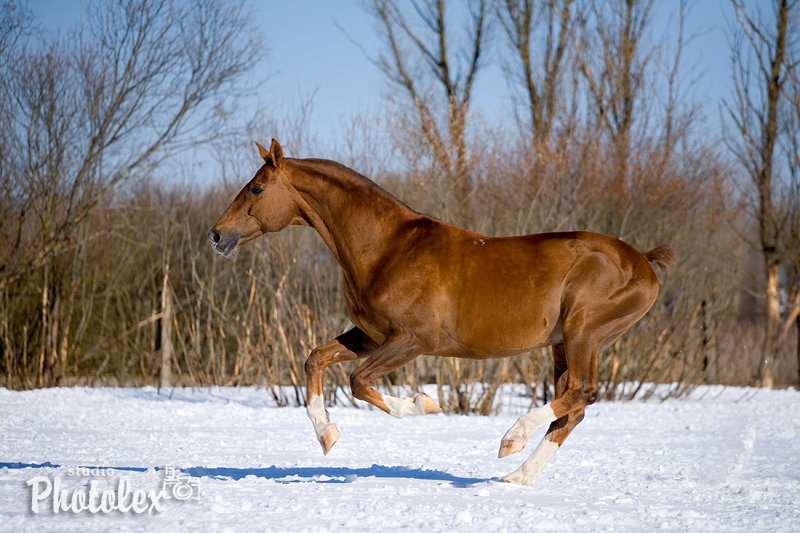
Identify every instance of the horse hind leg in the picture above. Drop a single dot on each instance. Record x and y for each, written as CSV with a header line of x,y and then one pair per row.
x,y
532,468
573,393
419,404
396,351
526,426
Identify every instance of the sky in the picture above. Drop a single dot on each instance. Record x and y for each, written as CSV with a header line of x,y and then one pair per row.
x,y
320,47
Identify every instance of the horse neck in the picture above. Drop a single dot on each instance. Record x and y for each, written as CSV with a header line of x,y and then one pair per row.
x,y
354,217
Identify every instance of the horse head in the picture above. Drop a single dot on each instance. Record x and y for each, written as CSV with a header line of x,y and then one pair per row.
x,y
265,204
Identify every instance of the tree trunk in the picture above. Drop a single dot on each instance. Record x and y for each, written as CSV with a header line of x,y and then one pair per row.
x,y
165,375
797,344
41,368
771,326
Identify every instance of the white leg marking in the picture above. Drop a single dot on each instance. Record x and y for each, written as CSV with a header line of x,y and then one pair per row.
x,y
400,407
532,468
528,424
318,414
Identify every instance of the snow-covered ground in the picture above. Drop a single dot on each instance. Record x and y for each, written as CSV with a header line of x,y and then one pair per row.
x,y
723,459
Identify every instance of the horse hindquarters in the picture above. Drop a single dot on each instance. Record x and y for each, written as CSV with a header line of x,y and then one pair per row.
x,y
593,318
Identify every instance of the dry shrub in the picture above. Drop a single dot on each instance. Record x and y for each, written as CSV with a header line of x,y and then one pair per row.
x,y
254,319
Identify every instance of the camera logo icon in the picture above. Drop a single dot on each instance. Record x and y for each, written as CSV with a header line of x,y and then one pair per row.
x,y
180,486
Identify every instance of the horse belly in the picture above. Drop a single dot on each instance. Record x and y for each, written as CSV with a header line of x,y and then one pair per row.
x,y
500,329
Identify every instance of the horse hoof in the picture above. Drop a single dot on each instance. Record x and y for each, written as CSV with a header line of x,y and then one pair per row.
x,y
328,438
514,477
427,405
507,447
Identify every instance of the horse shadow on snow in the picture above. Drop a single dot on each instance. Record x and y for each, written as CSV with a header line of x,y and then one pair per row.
x,y
292,474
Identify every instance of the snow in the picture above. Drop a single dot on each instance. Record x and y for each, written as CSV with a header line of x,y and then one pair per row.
x,y
719,460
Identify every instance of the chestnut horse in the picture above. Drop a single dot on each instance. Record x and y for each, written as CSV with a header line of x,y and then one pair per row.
x,y
415,285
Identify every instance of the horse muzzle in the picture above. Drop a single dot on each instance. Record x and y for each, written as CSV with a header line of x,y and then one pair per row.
x,y
223,245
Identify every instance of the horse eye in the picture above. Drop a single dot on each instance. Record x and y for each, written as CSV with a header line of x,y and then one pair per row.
x,y
255,190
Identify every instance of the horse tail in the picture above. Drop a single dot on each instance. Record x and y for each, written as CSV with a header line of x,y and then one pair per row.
x,y
662,256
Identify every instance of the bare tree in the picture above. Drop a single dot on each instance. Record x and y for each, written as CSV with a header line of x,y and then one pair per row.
x,y
15,23
636,97
760,65
613,65
538,34
435,70
142,80
790,204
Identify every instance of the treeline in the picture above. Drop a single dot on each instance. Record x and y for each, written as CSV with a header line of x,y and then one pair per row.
x,y
108,277
98,310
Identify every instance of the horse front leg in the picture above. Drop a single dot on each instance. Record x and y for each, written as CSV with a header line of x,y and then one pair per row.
x,y
348,346
396,351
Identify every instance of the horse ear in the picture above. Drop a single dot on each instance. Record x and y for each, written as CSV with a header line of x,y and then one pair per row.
x,y
263,152
275,154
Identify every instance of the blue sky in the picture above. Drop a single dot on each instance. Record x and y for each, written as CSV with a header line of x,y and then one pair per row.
x,y
309,51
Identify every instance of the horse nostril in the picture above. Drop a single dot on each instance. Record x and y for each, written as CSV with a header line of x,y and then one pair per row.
x,y
214,236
